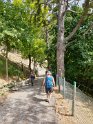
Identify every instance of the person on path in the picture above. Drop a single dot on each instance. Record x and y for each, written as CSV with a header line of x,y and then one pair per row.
x,y
48,83
32,76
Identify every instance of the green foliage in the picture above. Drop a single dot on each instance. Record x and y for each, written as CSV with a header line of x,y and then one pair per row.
x,y
78,56
72,18
38,50
51,51
79,50
13,70
8,31
23,26
23,35
2,70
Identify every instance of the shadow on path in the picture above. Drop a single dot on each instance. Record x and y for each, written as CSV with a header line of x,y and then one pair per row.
x,y
28,106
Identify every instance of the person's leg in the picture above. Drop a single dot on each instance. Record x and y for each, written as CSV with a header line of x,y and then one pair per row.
x,y
47,94
32,82
50,92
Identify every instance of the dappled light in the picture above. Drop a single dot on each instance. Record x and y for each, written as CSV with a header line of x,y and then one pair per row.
x,y
46,61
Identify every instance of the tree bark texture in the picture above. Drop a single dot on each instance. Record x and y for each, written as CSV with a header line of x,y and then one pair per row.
x,y
60,42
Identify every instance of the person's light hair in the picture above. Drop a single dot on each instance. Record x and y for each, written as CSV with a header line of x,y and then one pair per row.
x,y
48,73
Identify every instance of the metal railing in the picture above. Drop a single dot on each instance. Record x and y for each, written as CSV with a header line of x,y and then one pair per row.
x,y
80,105
63,89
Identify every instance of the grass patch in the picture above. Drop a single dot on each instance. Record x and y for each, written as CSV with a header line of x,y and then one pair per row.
x,y
13,70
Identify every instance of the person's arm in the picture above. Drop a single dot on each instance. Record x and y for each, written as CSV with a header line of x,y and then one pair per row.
x,y
43,83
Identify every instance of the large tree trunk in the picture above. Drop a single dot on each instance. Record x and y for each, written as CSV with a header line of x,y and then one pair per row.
x,y
60,42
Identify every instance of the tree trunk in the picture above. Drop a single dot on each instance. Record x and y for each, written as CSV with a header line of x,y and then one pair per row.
x,y
29,63
60,41
6,64
47,42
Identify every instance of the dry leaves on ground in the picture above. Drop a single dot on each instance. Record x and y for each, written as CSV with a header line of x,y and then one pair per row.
x,y
62,111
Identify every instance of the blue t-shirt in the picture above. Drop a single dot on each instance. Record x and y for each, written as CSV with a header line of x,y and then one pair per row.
x,y
49,82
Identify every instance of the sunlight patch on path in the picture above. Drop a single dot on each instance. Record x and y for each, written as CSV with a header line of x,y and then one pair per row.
x,y
28,106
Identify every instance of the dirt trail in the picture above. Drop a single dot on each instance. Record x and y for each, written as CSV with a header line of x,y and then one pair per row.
x,y
28,106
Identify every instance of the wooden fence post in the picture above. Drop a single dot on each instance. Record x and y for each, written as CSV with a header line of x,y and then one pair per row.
x,y
73,101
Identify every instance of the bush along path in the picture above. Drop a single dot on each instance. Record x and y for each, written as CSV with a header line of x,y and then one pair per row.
x,y
28,106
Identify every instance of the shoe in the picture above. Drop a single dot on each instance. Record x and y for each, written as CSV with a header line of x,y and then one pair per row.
x,y
47,100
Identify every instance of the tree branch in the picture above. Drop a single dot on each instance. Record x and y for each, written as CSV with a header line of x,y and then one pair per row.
x,y
90,27
69,10
86,32
86,7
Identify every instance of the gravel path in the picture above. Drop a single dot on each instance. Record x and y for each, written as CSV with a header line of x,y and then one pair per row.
x,y
28,106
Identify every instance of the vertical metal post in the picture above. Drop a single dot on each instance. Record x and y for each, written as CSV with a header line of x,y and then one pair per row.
x,y
73,102
64,87
59,79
